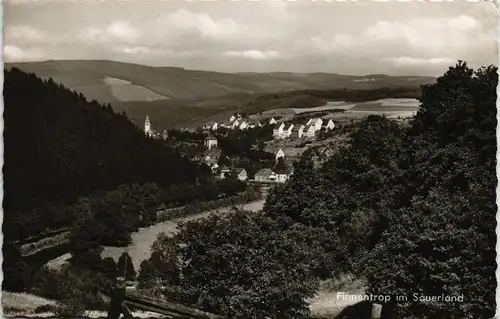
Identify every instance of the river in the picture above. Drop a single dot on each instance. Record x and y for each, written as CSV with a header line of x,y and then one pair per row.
x,y
140,248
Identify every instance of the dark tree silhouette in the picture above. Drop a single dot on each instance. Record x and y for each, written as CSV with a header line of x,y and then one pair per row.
x,y
126,267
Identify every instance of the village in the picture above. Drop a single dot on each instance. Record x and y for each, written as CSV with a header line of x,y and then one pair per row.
x,y
275,139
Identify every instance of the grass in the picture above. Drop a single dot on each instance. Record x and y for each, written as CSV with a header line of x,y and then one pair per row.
x,y
327,304
23,303
45,243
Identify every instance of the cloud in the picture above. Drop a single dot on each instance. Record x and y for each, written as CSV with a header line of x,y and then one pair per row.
x,y
464,23
24,34
275,35
115,32
184,20
253,54
430,38
14,53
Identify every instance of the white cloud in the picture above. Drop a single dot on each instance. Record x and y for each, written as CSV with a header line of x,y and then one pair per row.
x,y
253,54
429,38
464,23
202,23
136,50
115,32
16,54
24,33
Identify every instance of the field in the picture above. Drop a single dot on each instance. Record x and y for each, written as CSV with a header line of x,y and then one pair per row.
x,y
126,91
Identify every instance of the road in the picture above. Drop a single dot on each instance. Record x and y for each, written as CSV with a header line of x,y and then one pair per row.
x,y
140,249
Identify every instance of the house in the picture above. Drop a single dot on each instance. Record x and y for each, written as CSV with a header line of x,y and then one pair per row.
x,y
240,173
243,125
278,130
330,125
279,154
272,121
224,171
317,122
165,134
310,130
298,131
254,123
235,124
232,118
214,126
214,168
265,175
210,142
287,131
282,176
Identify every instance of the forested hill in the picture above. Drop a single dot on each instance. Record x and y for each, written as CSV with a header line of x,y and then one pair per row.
x,y
59,146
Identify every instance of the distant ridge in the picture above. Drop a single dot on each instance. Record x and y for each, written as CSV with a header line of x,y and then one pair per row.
x,y
175,96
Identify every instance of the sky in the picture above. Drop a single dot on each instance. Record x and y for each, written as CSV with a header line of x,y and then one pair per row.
x,y
363,37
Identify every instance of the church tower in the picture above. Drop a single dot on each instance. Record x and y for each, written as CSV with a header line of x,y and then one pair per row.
x,y
147,125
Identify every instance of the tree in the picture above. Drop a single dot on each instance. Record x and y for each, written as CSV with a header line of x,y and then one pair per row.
x,y
280,166
126,267
441,240
245,269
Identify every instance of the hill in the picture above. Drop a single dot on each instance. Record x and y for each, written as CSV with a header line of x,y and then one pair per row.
x,y
190,94
59,146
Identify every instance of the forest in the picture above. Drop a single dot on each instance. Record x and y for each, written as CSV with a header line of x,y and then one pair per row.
x,y
60,147
407,209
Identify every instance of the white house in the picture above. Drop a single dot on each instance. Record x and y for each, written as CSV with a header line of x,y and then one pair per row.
x,y
279,154
243,125
210,142
282,176
214,168
278,130
330,125
317,122
232,118
264,175
272,121
224,171
287,131
241,174
215,126
235,124
298,131
310,130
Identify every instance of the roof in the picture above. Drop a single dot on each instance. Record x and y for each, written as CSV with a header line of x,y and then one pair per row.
x,y
210,137
238,169
285,171
264,172
308,127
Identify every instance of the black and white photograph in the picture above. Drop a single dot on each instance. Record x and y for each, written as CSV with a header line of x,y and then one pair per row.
x,y
269,159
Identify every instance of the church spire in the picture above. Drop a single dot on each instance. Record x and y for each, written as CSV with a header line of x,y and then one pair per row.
x,y
147,125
